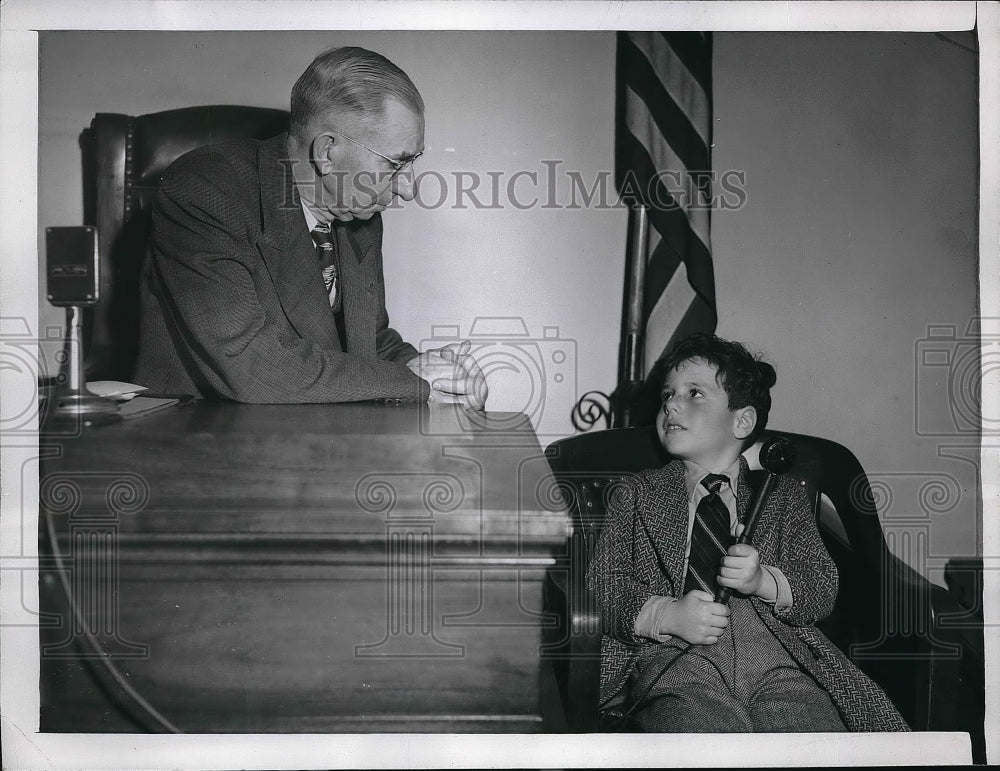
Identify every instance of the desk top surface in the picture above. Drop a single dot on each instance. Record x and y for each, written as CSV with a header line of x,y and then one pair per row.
x,y
210,467
365,418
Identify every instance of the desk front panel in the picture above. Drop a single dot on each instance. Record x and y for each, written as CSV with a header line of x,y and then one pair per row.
x,y
253,571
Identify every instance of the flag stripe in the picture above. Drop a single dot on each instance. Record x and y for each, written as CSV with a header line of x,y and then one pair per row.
x,y
663,145
659,275
684,91
660,269
699,317
663,263
678,236
666,165
695,50
669,307
673,124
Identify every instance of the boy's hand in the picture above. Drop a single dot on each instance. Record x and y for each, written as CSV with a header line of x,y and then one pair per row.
x,y
740,569
696,618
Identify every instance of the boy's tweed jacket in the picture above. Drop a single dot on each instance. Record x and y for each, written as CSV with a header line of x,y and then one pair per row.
x,y
233,301
640,553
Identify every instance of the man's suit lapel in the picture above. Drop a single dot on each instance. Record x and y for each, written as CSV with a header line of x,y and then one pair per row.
x,y
666,522
288,249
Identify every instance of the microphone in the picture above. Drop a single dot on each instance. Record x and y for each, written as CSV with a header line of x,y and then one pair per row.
x,y
74,282
777,455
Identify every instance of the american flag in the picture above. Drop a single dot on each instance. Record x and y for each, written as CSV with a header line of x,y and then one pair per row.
x,y
663,159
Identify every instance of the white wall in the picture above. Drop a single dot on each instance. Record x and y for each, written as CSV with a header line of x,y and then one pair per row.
x,y
860,153
858,232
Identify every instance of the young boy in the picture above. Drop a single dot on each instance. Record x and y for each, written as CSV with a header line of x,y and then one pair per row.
x,y
668,544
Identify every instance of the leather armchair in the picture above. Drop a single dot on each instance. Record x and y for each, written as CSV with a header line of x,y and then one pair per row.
x,y
892,622
124,159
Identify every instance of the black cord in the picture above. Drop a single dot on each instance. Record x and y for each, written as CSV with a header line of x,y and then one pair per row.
x,y
620,720
102,655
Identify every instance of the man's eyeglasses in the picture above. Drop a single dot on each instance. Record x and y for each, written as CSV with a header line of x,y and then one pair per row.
x,y
397,166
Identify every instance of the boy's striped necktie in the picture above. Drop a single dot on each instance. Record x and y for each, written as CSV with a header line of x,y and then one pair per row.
x,y
710,537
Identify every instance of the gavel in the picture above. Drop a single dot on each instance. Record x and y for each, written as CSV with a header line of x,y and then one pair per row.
x,y
777,455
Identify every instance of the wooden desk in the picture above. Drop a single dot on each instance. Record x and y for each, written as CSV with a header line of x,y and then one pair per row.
x,y
321,568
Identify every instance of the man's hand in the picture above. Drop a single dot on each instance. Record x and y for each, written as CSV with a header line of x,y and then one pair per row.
x,y
740,569
454,375
696,618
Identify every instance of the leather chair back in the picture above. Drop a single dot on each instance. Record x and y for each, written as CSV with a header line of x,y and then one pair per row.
x,y
124,160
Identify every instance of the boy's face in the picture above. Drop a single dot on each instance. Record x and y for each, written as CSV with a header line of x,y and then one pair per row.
x,y
695,422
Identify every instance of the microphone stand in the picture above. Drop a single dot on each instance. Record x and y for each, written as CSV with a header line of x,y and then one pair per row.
x,y
72,405
777,455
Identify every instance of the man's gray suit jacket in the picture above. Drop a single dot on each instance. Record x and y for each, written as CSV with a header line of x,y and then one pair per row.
x,y
233,301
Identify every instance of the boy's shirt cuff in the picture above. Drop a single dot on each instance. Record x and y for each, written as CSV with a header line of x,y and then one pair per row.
x,y
784,599
647,622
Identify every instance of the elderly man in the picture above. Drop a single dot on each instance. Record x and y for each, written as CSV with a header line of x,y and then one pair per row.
x,y
265,283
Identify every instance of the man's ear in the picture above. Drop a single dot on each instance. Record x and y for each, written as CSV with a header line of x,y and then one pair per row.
x,y
320,151
745,423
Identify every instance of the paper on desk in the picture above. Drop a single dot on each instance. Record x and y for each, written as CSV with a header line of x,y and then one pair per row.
x,y
145,405
115,389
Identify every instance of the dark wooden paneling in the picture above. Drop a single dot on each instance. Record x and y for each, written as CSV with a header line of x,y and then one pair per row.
x,y
285,569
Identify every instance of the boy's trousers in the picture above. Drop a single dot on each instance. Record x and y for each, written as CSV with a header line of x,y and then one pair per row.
x,y
744,682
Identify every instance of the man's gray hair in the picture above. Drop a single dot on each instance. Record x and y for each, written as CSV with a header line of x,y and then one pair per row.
x,y
351,79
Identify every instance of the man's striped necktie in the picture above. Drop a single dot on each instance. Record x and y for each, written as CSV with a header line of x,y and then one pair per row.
x,y
710,537
326,251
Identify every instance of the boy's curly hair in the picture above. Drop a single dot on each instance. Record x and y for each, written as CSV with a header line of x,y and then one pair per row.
x,y
745,378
